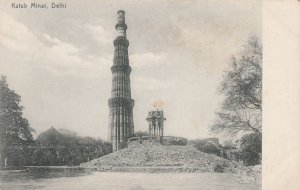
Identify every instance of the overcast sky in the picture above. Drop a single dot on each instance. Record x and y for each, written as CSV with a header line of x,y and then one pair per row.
x,y
59,60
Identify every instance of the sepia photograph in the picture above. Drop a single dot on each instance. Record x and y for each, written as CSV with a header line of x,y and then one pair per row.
x,y
135,95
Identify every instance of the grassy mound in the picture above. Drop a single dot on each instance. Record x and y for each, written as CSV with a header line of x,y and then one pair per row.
x,y
178,158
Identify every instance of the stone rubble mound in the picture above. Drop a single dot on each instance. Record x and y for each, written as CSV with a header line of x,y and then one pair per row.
x,y
180,158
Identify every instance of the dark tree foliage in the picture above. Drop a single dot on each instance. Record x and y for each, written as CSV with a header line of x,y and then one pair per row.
x,y
57,149
251,146
15,132
209,146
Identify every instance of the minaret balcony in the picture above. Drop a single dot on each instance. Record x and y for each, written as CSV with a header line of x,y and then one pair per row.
x,y
121,25
121,40
123,68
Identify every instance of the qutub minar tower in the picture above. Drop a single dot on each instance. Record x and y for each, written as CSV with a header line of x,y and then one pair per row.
x,y
120,104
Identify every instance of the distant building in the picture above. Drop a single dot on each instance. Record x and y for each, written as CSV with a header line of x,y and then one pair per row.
x,y
156,133
120,104
156,123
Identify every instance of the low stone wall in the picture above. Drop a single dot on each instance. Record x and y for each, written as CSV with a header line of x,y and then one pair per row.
x,y
151,141
171,140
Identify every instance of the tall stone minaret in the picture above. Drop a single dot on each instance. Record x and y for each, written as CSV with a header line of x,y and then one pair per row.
x,y
120,104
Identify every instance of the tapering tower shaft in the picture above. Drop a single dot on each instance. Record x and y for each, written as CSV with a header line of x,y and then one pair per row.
x,y
120,104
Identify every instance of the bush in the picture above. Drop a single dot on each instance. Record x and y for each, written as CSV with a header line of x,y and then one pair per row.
x,y
218,168
209,148
251,145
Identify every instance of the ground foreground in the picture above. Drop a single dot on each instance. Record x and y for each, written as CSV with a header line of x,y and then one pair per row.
x,y
161,159
41,179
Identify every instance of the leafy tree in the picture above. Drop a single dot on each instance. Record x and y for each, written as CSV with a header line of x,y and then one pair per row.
x,y
15,131
242,86
57,148
241,111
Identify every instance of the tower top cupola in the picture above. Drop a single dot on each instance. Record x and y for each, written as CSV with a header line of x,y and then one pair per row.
x,y
121,26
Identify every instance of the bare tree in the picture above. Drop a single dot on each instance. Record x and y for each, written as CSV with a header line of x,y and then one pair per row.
x,y
242,88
